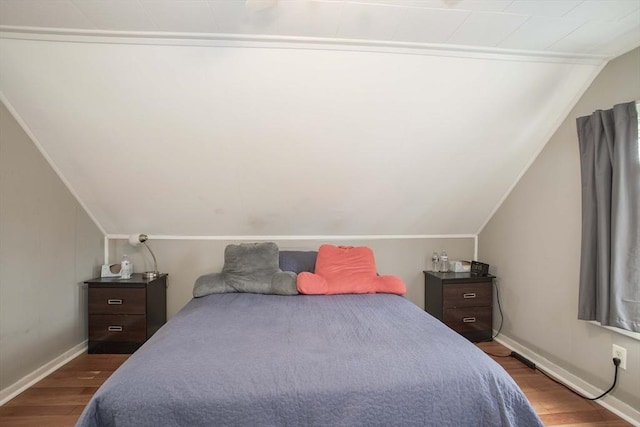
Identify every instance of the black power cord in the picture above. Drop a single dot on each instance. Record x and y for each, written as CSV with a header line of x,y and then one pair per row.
x,y
530,364
497,355
495,285
616,362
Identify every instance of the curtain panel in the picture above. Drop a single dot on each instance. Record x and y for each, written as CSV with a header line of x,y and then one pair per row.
x,y
610,258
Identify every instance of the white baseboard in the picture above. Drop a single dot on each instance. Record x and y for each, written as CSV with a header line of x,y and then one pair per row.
x,y
30,379
611,403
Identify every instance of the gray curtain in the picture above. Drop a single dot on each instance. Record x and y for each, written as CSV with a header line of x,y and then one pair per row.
x,y
610,258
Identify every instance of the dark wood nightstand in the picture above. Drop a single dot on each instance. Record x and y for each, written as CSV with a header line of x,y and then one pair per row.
x,y
461,301
124,313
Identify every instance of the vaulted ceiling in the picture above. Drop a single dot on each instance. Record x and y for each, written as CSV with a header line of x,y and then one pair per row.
x,y
299,117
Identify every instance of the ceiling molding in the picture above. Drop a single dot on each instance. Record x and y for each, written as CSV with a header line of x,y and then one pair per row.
x,y
283,237
292,42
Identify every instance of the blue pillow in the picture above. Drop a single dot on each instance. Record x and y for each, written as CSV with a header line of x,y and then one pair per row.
x,y
298,261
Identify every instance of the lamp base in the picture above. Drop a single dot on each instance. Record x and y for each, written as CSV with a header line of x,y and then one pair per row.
x,y
150,274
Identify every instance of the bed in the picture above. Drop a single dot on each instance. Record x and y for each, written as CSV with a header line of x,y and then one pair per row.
x,y
244,359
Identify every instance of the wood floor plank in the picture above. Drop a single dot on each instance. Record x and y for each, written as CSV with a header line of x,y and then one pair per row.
x,y
58,400
36,410
620,423
53,396
563,418
39,421
73,378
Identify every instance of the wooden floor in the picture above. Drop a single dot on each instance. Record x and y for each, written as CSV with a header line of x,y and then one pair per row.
x,y
555,405
58,399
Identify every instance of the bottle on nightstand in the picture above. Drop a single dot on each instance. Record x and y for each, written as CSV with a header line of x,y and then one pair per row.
x,y
444,262
435,262
126,268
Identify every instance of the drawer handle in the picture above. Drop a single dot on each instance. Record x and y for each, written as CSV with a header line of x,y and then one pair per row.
x,y
114,328
469,295
469,319
114,302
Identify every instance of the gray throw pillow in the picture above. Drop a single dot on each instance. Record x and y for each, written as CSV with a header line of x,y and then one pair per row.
x,y
248,267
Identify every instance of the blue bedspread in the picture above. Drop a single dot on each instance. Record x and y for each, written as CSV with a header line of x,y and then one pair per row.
x,y
342,360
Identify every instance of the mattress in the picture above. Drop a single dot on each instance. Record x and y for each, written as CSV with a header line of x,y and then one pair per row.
x,y
341,360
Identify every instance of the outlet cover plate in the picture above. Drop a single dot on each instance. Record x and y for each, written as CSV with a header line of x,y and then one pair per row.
x,y
620,353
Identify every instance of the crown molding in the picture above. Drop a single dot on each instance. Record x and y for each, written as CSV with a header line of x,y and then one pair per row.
x,y
293,237
292,42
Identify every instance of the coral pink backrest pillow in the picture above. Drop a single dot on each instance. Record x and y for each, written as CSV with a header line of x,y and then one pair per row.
x,y
347,270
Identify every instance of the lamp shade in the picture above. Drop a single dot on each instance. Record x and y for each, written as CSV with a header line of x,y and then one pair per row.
x,y
137,239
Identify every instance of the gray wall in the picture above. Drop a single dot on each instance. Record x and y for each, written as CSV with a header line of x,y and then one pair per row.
x,y
185,260
533,246
48,246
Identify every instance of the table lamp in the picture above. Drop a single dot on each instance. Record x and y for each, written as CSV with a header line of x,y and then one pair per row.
x,y
141,239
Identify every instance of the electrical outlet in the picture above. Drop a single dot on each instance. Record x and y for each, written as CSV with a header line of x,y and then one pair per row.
x,y
620,353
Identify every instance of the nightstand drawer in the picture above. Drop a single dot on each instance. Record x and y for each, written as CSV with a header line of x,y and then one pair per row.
x,y
468,319
117,301
467,295
125,328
